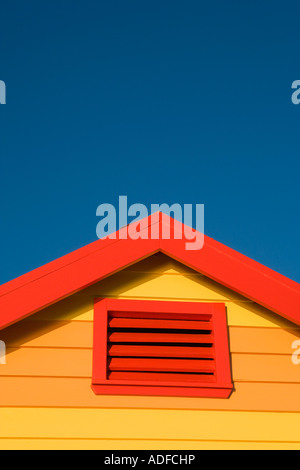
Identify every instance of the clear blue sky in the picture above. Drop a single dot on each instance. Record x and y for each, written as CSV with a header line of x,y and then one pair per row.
x,y
160,100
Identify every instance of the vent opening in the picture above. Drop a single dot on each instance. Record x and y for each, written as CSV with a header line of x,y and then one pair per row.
x,y
156,348
161,348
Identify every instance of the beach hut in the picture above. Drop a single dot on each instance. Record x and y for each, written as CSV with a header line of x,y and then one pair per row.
x,y
142,344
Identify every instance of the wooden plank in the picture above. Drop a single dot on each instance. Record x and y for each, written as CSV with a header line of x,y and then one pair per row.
x,y
161,286
165,365
115,350
265,368
161,307
140,444
175,378
161,316
59,334
263,340
247,313
75,334
76,393
173,424
159,338
100,334
159,324
165,389
50,362
79,308
46,362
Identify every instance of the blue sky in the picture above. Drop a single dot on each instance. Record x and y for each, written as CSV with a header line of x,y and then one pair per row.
x,y
162,101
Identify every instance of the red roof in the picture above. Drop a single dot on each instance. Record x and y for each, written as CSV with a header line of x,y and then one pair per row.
x,y
67,275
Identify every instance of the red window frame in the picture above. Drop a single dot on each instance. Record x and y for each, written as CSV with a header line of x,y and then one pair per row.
x,y
221,388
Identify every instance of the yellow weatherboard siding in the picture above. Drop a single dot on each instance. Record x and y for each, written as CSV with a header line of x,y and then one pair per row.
x,y
141,444
160,278
149,424
45,395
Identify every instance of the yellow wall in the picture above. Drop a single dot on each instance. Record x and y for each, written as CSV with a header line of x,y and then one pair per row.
x,y
45,395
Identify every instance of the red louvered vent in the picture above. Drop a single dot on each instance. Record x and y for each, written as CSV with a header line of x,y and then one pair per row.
x,y
160,348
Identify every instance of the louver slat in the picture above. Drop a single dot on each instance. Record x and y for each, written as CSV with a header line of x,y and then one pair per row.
x,y
163,365
117,337
162,316
160,324
116,350
161,377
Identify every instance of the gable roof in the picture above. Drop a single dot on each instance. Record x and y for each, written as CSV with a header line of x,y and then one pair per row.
x,y
65,276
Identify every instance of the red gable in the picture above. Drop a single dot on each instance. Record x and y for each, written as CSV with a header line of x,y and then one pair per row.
x,y
71,273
